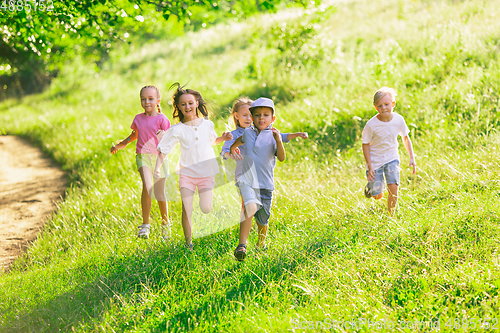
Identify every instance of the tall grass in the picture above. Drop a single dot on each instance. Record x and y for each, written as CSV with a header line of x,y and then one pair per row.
x,y
332,254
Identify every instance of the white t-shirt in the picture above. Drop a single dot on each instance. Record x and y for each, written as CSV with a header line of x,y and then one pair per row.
x,y
197,155
383,139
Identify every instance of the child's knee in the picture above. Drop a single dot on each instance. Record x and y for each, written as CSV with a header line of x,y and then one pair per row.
x,y
378,196
160,195
206,208
251,209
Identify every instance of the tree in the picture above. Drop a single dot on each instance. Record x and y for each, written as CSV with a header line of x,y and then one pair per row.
x,y
38,36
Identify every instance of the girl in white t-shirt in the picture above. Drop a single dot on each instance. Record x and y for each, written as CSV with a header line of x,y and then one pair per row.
x,y
380,148
197,165
148,128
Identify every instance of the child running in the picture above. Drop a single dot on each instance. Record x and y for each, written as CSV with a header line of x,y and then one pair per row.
x,y
147,128
380,148
197,165
242,118
263,143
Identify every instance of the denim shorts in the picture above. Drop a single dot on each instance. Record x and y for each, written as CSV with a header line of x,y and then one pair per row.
x,y
391,172
263,199
149,160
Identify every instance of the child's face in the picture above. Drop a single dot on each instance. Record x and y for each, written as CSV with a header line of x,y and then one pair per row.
x,y
244,116
188,105
149,100
263,117
385,105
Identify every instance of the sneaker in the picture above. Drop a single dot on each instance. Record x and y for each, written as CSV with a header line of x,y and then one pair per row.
x,y
368,192
143,231
166,231
241,252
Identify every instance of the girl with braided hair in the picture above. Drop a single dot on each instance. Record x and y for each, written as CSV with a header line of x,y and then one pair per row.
x,y
148,128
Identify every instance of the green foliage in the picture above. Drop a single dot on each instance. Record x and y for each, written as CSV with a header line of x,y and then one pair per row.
x,y
39,37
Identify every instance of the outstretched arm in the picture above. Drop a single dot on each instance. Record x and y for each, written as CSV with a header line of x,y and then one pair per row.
x,y
366,154
224,137
409,149
122,144
303,135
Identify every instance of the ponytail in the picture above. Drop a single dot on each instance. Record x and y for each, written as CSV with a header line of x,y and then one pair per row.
x,y
179,91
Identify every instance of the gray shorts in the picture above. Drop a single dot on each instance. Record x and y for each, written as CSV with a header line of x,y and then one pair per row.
x,y
391,172
263,199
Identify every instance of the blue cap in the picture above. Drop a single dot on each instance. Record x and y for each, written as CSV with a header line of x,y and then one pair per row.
x,y
262,102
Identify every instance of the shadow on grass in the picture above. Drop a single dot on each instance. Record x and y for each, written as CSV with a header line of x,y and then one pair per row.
x,y
121,286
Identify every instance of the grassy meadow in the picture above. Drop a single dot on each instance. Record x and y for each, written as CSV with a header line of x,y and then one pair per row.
x,y
333,255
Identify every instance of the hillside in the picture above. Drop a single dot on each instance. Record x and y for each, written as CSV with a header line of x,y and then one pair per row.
x,y
333,255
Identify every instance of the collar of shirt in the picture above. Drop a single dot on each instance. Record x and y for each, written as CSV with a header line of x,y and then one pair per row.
x,y
263,138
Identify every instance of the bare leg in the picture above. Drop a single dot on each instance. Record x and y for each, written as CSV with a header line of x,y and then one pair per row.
x,y
246,223
378,196
187,211
159,189
262,235
392,199
147,187
206,200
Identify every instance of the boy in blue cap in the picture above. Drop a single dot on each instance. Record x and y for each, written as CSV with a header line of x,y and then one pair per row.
x,y
263,144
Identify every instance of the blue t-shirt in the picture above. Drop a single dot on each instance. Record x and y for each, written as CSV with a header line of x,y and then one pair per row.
x,y
259,159
226,148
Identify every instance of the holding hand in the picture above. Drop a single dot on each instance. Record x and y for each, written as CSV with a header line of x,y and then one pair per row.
x,y
303,135
236,155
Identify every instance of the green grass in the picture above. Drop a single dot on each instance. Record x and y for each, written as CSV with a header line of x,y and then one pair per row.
x,y
333,254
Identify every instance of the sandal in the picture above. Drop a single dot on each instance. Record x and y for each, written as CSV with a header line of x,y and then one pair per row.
x,y
143,231
368,192
241,252
189,247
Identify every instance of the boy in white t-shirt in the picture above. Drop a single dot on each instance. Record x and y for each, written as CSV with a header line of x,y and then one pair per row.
x,y
380,148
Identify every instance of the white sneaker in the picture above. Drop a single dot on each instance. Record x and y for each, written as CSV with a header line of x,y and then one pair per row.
x,y
166,231
143,231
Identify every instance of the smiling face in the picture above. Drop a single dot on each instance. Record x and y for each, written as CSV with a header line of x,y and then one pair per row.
x,y
243,116
149,101
187,106
262,117
384,107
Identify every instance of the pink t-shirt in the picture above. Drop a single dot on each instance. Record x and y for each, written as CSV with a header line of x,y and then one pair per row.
x,y
146,127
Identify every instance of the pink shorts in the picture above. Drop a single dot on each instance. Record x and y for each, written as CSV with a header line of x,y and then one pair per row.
x,y
191,183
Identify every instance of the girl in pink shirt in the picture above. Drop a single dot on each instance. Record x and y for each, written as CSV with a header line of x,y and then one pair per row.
x,y
148,129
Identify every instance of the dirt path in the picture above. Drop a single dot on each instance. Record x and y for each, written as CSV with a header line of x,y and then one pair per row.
x,y
30,186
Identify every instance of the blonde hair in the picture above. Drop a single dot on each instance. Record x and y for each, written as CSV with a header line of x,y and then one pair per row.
x,y
237,104
157,94
382,92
